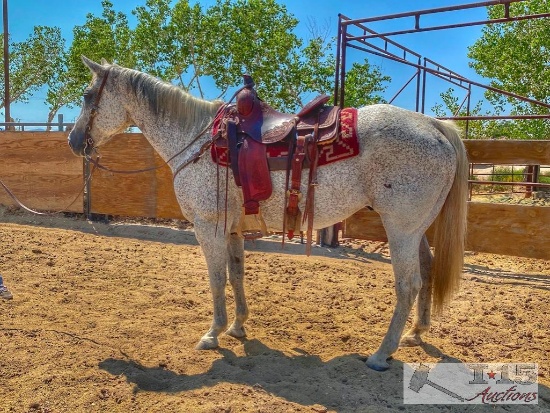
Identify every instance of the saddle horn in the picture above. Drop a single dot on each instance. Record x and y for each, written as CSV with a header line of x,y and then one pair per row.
x,y
247,97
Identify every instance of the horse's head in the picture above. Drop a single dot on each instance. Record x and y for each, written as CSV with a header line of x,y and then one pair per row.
x,y
103,111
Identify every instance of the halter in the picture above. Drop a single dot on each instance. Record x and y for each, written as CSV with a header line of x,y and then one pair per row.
x,y
95,108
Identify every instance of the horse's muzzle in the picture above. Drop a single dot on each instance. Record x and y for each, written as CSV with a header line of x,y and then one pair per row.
x,y
77,143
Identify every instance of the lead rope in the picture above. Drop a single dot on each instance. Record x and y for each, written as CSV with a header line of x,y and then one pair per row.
x,y
26,208
97,165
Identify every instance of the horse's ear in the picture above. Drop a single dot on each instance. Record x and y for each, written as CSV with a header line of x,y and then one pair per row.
x,y
93,66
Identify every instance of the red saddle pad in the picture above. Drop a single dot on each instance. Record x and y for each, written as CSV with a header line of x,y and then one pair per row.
x,y
343,147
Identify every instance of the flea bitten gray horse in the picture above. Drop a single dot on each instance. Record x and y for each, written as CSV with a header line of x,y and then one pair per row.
x,y
411,169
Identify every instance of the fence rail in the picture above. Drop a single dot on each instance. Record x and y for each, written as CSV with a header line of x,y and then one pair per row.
x,y
517,230
42,171
61,125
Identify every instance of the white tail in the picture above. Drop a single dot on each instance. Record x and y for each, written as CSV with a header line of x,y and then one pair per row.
x,y
450,228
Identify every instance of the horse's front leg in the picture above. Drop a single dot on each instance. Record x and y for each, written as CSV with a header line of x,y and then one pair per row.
x,y
214,245
404,250
235,262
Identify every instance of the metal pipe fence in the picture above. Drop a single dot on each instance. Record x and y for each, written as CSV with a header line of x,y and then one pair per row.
x,y
60,125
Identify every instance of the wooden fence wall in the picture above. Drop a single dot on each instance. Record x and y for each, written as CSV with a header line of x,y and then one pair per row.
x,y
147,194
523,231
519,230
42,171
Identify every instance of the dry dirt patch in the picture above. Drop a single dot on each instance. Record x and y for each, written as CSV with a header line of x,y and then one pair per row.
x,y
105,318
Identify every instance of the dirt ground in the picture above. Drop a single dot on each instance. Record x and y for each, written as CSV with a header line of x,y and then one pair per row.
x,y
105,319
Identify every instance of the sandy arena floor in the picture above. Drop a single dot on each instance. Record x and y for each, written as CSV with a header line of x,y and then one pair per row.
x,y
105,319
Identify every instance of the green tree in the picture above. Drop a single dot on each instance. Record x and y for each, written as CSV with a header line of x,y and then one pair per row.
x,y
168,41
57,94
108,36
185,45
364,83
190,46
473,129
309,69
152,38
249,36
32,63
515,56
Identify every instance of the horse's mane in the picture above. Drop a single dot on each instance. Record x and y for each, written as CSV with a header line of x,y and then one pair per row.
x,y
167,100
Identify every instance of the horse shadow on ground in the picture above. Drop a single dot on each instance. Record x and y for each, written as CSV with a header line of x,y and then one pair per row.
x,y
488,275
343,384
145,231
271,244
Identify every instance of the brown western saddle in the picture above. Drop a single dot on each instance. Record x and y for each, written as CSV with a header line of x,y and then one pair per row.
x,y
250,125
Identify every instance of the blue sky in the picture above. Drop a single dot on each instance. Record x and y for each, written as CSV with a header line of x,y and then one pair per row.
x,y
448,47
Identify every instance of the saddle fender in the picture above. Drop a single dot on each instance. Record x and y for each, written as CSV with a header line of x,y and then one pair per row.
x,y
254,175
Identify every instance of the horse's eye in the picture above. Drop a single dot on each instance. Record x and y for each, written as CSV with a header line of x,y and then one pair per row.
x,y
87,96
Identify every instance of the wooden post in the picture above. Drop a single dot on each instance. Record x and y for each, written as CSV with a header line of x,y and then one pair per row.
x,y
328,237
6,66
87,198
60,122
529,177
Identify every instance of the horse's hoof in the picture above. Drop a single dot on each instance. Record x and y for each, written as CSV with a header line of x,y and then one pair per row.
x,y
236,332
410,341
208,343
375,364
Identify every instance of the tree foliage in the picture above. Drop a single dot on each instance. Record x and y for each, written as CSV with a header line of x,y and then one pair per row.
x,y
203,49
191,46
364,82
107,36
472,129
218,45
253,36
516,57
32,63
156,39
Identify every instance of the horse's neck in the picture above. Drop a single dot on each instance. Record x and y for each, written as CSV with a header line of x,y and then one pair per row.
x,y
166,134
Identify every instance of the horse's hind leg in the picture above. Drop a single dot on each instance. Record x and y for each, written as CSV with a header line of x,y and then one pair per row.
x,y
213,246
424,301
404,250
235,262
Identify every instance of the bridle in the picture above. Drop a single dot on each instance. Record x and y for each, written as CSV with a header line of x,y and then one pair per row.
x,y
93,113
90,141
